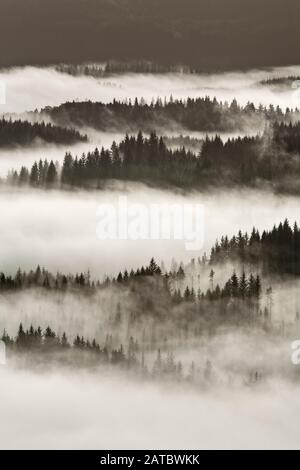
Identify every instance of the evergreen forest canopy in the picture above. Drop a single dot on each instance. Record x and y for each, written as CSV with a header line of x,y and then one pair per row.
x,y
25,133
194,114
281,82
163,309
168,308
276,251
270,158
93,320
114,67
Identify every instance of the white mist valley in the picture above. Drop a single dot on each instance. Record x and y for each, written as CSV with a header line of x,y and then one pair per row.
x,y
134,343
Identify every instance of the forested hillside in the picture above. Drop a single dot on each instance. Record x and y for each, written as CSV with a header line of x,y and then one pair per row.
x,y
24,133
200,114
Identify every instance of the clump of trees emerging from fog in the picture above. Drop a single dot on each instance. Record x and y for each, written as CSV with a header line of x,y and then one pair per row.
x,y
271,158
115,67
280,82
24,133
34,347
276,250
149,312
194,114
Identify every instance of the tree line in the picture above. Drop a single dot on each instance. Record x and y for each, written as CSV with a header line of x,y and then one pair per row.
x,y
276,250
115,67
280,81
135,158
164,304
171,282
270,157
194,114
17,132
35,347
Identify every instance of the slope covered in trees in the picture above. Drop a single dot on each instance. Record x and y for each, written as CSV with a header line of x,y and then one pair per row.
x,y
162,305
35,348
271,158
148,306
281,83
276,251
170,282
25,133
115,67
200,114
149,313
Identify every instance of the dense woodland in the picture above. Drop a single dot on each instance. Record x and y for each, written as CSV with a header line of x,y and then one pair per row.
x,y
168,298
199,114
280,82
150,312
192,144
114,67
161,316
269,157
25,133
34,347
164,315
172,282
277,251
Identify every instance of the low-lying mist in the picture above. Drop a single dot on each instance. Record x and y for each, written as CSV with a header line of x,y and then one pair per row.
x,y
57,229
31,88
80,411
243,391
16,157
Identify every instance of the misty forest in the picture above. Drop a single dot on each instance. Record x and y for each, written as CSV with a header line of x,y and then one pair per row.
x,y
140,342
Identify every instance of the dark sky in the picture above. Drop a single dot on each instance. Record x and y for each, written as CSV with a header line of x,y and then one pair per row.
x,y
211,34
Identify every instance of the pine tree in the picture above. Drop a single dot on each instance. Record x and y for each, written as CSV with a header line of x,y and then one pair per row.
x,y
52,176
34,175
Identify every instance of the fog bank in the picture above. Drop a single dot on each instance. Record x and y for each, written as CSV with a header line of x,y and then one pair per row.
x,y
31,88
57,229
60,411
